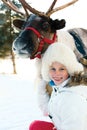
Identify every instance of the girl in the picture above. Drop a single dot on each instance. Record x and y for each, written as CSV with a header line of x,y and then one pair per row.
x,y
67,106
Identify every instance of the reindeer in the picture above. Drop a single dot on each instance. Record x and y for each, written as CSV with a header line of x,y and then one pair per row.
x,y
39,31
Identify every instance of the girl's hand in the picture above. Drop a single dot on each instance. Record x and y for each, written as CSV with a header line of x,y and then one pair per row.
x,y
54,128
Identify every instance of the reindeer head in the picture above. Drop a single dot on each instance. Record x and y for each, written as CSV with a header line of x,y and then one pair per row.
x,y
38,31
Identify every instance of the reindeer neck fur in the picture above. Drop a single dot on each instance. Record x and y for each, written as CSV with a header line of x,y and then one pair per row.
x,y
66,38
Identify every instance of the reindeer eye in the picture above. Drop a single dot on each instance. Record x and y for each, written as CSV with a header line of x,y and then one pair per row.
x,y
45,26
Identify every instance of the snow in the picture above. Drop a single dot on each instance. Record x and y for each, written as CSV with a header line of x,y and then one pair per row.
x,y
18,103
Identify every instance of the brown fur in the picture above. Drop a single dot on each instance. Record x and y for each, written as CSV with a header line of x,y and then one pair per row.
x,y
83,60
78,79
49,89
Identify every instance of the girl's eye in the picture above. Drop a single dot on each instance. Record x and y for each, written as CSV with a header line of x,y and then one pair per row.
x,y
53,69
62,68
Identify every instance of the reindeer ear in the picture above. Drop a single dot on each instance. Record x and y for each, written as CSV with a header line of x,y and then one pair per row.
x,y
18,23
58,24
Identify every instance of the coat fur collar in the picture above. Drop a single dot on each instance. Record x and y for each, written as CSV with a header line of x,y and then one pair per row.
x,y
78,79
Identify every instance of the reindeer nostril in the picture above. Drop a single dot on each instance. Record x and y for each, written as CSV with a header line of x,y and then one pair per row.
x,y
14,49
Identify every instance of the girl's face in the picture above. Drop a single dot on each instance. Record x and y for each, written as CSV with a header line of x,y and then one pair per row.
x,y
58,73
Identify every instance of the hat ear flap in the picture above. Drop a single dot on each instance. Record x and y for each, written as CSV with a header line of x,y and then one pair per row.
x,y
58,24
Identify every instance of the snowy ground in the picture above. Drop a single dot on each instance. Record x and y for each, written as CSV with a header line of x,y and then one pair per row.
x,y
18,103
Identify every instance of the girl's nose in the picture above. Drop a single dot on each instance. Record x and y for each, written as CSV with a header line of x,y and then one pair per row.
x,y
57,72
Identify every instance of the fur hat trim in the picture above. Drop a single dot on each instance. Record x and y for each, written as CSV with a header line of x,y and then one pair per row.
x,y
63,54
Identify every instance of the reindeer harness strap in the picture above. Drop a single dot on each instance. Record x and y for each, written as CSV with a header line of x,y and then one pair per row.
x,y
78,42
80,46
42,40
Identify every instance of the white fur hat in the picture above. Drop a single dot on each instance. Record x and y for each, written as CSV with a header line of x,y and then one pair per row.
x,y
63,54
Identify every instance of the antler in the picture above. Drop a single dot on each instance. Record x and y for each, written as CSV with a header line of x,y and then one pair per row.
x,y
12,6
51,10
27,7
51,7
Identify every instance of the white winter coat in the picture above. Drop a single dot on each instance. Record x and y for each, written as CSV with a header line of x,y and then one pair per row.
x,y
67,106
